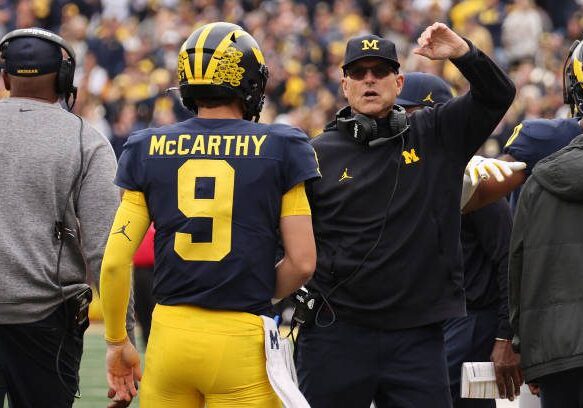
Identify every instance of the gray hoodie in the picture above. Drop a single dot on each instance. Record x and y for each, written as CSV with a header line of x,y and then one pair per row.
x,y
546,265
40,159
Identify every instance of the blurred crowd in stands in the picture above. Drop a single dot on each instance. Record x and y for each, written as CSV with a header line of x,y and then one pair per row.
x,y
126,51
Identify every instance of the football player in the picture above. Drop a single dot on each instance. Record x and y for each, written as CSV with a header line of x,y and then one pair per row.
x,y
217,187
484,333
535,139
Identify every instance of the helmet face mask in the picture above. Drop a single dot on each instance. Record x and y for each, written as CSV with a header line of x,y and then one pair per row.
x,y
222,61
573,79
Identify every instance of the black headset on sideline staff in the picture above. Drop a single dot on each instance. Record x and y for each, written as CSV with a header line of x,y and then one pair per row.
x,y
66,73
364,130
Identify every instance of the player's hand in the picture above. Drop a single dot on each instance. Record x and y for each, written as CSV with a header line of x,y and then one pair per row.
x,y
507,368
116,402
534,389
481,168
123,370
438,42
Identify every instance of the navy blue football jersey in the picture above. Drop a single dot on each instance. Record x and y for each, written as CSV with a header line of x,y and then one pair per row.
x,y
535,139
213,189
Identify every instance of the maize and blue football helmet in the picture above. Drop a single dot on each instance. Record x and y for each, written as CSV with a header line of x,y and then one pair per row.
x,y
221,60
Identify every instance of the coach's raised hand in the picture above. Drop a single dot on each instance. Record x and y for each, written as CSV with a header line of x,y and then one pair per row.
x,y
438,42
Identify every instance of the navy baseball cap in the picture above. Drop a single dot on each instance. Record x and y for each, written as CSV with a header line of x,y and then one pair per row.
x,y
370,45
31,56
421,89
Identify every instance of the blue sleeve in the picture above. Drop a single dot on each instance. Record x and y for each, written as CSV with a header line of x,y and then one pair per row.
x,y
532,141
300,162
131,166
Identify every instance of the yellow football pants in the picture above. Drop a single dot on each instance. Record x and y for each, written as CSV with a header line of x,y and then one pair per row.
x,y
198,356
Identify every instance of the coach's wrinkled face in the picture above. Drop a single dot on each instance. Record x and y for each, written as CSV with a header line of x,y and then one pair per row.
x,y
371,86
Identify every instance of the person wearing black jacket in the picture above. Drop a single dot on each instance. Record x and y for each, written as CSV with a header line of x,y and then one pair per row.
x,y
546,278
485,333
387,223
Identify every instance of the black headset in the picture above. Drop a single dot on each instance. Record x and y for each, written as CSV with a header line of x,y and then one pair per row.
x,y
66,73
364,130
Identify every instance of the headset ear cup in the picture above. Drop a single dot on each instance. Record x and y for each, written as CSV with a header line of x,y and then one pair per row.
x,y
359,128
398,120
65,75
351,128
367,127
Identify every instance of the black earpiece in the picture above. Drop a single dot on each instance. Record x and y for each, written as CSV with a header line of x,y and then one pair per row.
x,y
65,75
364,130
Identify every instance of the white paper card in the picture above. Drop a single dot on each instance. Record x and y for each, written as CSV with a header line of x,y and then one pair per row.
x,y
479,381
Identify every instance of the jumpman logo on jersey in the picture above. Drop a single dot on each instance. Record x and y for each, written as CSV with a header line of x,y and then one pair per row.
x,y
428,98
345,175
122,230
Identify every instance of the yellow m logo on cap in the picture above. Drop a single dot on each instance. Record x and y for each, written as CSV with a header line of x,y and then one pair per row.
x,y
370,45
